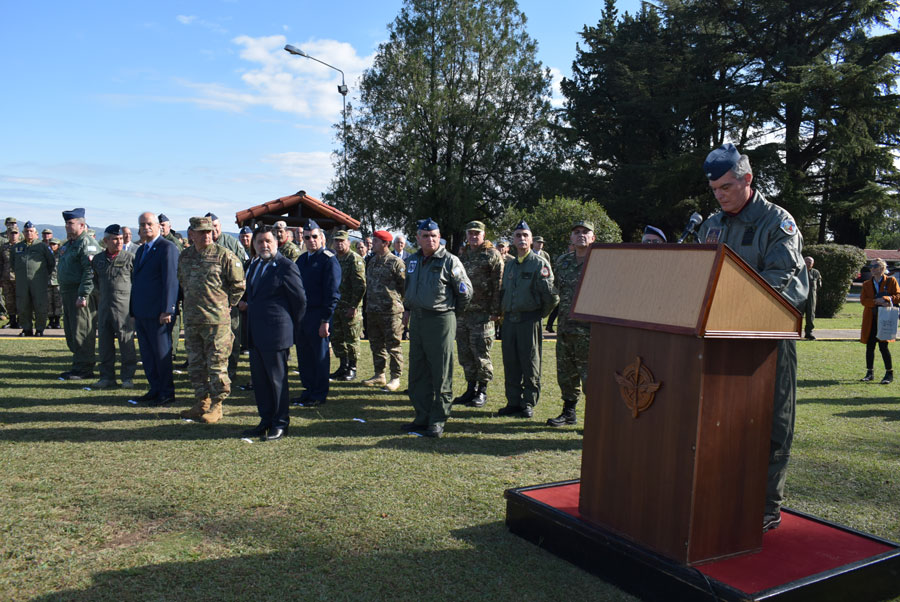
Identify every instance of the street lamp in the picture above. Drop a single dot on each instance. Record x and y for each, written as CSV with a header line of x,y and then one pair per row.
x,y
342,89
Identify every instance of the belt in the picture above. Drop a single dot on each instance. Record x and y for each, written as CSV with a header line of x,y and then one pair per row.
x,y
523,316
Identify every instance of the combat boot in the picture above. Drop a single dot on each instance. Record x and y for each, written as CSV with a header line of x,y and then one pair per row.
x,y
200,408
870,375
376,381
213,415
392,385
480,397
351,371
340,372
13,322
567,417
467,396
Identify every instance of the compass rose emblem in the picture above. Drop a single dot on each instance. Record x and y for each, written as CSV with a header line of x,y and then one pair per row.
x,y
637,387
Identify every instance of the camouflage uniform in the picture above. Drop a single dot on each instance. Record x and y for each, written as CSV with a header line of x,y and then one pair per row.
x,y
290,250
385,285
574,336
112,279
75,277
54,305
474,329
212,281
33,263
8,280
346,331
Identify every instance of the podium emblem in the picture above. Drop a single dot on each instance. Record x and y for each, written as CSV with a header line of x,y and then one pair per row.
x,y
637,387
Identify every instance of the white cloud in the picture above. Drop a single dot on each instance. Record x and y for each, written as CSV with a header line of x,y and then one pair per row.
x,y
186,20
557,100
311,171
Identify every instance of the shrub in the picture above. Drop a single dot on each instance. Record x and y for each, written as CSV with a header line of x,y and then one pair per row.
x,y
838,264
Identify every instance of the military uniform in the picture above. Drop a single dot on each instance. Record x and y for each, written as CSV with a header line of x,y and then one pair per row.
x,y
234,245
385,285
54,301
8,281
175,240
474,328
815,283
436,288
75,277
290,250
346,330
528,296
34,262
112,279
767,238
573,336
212,281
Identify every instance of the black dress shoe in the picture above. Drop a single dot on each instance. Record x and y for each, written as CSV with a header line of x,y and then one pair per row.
x,y
276,432
161,401
257,431
434,430
65,375
148,396
413,426
509,410
80,375
525,412
27,332
247,387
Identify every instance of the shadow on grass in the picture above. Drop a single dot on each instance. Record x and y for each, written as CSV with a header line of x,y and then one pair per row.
x,y
180,431
848,401
820,383
887,415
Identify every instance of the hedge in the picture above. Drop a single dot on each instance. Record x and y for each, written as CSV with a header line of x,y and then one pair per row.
x,y
839,264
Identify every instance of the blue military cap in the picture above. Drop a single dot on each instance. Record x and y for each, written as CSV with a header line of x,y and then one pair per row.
x,y
522,225
28,224
311,225
113,229
211,216
651,230
719,161
427,225
162,218
78,212
246,230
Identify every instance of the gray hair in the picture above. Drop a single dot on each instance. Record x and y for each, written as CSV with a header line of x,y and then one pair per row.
x,y
743,167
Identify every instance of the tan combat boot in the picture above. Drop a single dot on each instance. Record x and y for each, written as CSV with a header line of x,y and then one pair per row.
x,y
392,385
376,381
214,414
199,409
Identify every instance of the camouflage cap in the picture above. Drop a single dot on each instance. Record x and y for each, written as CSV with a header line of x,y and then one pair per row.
x,y
11,220
538,239
280,225
341,235
475,225
55,241
46,231
584,224
201,224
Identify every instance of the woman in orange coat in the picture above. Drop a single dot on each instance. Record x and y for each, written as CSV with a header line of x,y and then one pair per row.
x,y
878,291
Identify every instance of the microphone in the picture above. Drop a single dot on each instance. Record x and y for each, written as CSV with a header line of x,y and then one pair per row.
x,y
695,220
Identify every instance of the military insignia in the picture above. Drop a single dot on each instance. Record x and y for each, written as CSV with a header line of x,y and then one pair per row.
x,y
713,236
636,387
748,236
545,272
462,287
412,266
789,227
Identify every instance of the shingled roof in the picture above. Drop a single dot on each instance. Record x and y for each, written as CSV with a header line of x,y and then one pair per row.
x,y
296,210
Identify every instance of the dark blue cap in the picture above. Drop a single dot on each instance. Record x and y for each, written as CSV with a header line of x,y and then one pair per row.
x,y
28,224
427,225
210,215
73,214
522,225
162,218
114,229
246,230
720,161
651,230
311,225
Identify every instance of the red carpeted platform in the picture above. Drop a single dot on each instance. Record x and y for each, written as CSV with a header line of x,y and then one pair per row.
x,y
803,551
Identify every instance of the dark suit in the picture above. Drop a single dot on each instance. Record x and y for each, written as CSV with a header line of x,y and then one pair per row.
x,y
321,275
154,291
276,302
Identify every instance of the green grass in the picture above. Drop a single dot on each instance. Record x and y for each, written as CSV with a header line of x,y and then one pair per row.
x,y
849,316
105,501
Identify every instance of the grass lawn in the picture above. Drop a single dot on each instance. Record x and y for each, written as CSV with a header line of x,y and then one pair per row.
x,y
849,316
104,501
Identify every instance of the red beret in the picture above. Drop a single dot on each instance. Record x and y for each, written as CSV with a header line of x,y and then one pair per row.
x,y
383,235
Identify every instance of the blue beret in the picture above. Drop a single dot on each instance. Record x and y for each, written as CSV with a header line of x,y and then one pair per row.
x,y
114,229
657,231
427,225
246,230
210,215
74,213
311,225
720,161
28,224
162,218
522,226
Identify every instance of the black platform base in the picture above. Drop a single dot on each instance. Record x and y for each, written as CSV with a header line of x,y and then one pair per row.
x,y
551,521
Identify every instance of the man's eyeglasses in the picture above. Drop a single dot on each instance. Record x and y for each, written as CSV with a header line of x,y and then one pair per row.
x,y
312,236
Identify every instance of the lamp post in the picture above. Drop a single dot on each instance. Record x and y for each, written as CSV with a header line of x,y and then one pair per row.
x,y
342,89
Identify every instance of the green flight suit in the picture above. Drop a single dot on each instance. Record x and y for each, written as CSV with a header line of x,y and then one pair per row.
x,y
34,262
112,279
766,237
76,281
436,287
528,296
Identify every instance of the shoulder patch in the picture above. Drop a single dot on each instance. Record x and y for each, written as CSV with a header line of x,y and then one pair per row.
x,y
545,272
462,287
789,227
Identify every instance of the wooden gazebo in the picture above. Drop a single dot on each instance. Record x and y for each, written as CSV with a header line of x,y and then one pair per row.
x,y
296,210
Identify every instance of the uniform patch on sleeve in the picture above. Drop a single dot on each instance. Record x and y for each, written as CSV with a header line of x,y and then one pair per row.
x,y
789,227
462,287
412,266
713,236
545,272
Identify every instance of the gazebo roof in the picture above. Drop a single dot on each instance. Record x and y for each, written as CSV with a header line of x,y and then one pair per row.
x,y
296,210
886,254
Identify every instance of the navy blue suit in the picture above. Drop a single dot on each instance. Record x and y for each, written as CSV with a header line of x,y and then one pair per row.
x,y
276,302
321,275
154,291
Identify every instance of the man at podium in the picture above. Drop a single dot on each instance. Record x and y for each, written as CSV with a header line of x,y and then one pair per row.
x,y
767,238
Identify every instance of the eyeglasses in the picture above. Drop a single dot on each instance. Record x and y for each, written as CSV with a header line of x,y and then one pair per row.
x,y
312,236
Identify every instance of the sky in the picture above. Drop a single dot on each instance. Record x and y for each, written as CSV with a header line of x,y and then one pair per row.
x,y
188,107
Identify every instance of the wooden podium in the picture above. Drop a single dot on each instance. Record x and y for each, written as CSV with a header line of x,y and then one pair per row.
x,y
679,396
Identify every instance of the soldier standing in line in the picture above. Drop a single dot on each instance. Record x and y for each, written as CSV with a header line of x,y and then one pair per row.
x,y
528,296
223,239
46,235
76,287
34,262
212,280
537,245
385,285
347,323
165,230
815,283
475,324
112,278
574,337
8,272
54,301
436,288
246,238
285,246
